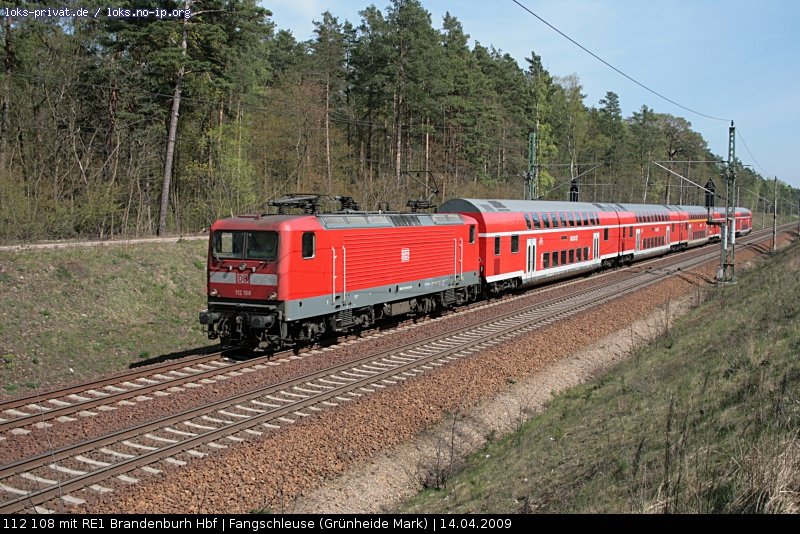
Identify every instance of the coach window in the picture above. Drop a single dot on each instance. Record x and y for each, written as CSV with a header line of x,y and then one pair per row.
x,y
497,246
546,220
527,221
471,233
579,255
586,253
554,217
545,260
605,234
535,218
514,244
555,259
571,219
309,245
563,220
563,257
572,255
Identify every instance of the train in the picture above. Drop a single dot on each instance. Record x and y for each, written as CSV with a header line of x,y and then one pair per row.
x,y
282,281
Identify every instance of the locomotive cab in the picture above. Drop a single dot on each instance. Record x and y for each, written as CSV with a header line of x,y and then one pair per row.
x,y
242,284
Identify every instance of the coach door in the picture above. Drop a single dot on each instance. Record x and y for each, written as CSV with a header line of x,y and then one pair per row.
x,y
638,239
530,265
668,241
596,247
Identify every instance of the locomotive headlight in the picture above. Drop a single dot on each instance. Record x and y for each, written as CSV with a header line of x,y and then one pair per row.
x,y
273,296
213,293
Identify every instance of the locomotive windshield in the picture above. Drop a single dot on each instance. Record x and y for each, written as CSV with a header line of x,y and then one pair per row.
x,y
246,245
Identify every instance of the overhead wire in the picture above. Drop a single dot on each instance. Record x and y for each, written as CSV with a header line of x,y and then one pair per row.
x,y
634,80
640,84
741,137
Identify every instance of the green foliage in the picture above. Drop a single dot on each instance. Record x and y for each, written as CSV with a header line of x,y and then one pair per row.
x,y
261,114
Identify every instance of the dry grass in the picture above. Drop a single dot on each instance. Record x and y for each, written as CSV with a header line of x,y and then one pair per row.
x,y
72,314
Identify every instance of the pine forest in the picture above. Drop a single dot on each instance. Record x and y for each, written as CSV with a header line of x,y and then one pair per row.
x,y
115,126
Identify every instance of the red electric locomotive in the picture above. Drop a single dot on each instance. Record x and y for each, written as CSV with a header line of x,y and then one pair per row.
x,y
282,280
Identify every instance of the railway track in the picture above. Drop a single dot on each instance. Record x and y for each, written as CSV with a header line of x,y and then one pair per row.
x,y
64,474
41,408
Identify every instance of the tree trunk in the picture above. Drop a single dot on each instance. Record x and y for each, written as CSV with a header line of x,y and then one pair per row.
x,y
398,136
6,93
173,129
328,171
427,152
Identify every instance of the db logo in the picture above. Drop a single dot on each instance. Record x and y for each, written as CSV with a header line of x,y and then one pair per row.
x,y
243,278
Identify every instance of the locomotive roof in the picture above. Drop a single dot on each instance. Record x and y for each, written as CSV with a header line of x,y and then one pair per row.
x,y
387,220
346,220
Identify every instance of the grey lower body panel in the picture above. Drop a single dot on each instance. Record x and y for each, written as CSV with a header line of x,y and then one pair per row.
x,y
294,310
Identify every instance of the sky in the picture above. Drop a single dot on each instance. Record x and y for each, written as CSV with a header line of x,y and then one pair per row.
x,y
731,59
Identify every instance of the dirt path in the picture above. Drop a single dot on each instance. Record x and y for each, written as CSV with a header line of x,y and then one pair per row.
x,y
74,244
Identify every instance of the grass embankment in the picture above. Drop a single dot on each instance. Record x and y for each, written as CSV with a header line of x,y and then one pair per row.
x,y
71,314
704,420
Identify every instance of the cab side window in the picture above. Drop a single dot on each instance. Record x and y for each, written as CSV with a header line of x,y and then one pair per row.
x,y
309,245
